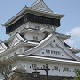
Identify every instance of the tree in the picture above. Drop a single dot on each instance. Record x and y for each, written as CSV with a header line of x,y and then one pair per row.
x,y
20,74
6,67
77,77
65,79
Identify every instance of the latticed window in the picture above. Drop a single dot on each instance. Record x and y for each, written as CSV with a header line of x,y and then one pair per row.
x,y
44,66
55,52
55,68
34,66
52,52
35,38
47,51
66,69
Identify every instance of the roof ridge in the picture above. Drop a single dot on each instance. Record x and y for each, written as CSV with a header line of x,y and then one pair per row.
x,y
36,2
39,1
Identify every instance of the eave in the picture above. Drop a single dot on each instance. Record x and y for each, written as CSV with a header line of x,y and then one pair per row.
x,y
47,40
49,60
20,44
75,51
62,36
15,17
9,40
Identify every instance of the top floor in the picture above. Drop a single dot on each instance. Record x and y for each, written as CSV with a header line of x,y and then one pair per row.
x,y
37,13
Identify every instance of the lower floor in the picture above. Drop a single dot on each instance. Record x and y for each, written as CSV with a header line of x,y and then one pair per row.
x,y
29,76
43,77
56,68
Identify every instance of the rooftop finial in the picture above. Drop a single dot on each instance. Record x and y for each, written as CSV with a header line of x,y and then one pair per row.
x,y
40,0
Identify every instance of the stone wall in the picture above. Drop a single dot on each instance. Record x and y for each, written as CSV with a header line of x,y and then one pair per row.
x,y
43,77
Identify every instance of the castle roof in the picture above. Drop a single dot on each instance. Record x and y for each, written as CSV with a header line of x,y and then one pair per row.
x,y
39,7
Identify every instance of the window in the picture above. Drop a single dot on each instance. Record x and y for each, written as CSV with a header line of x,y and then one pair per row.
x,y
35,38
34,66
55,68
55,52
66,69
75,70
52,52
47,51
59,53
44,66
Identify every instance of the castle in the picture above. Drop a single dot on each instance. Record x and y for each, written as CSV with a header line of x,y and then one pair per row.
x,y
34,39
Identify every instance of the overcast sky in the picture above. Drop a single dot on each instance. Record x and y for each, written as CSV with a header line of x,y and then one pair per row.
x,y
70,23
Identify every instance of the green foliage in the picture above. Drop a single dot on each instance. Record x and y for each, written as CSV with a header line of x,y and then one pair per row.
x,y
65,79
21,73
77,77
6,67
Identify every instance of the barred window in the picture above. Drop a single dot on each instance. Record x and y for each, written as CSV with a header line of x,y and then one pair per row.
x,y
66,69
55,68
44,66
55,52
35,38
34,66
47,51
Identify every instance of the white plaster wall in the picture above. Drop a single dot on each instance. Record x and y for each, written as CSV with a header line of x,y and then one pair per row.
x,y
27,64
9,44
26,25
32,25
20,50
29,36
63,54
13,52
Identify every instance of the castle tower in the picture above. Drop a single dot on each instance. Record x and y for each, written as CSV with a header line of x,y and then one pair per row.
x,y
34,39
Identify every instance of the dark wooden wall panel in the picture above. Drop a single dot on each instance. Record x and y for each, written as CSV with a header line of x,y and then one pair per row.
x,y
33,18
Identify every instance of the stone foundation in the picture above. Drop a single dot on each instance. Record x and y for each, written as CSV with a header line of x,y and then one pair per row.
x,y
43,77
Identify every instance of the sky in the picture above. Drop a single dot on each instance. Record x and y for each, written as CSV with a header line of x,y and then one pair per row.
x,y
70,23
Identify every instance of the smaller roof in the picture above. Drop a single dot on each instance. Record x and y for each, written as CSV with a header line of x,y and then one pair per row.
x,y
62,36
66,45
50,59
40,5
3,45
75,50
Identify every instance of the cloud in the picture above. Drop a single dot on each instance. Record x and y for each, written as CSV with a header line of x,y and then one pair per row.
x,y
75,37
74,32
70,42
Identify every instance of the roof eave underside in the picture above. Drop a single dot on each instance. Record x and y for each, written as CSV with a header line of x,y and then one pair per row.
x,y
49,59
28,9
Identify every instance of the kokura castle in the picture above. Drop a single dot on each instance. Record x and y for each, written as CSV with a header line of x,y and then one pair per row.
x,y
34,39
